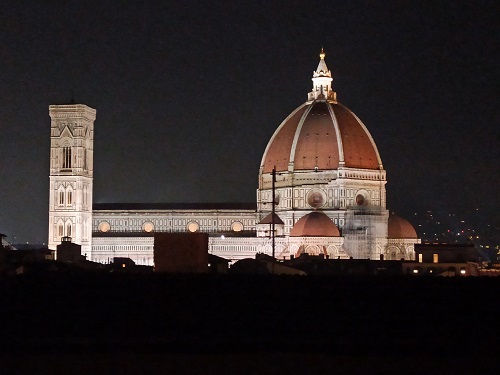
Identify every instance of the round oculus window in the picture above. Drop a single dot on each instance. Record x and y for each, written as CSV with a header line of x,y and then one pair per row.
x,y
315,199
237,226
148,227
193,227
360,200
104,226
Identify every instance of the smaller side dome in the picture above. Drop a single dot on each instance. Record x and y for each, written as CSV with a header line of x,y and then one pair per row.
x,y
315,224
400,228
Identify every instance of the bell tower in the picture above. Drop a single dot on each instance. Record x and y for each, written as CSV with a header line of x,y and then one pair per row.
x,y
71,175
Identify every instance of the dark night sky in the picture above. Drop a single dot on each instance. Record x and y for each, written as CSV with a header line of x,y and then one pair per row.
x,y
189,93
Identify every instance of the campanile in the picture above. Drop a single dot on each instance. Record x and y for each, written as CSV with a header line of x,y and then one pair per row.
x,y
71,175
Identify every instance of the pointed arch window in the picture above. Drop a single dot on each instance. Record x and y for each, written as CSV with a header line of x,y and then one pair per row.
x,y
60,230
68,230
69,201
61,198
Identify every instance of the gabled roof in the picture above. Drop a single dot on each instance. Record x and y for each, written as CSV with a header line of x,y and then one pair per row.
x,y
123,234
174,206
268,220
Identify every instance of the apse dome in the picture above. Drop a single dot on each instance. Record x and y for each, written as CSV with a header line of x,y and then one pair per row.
x,y
321,134
315,224
397,227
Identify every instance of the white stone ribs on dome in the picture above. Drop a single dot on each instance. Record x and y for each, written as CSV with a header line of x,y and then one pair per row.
x,y
379,160
339,137
291,164
276,132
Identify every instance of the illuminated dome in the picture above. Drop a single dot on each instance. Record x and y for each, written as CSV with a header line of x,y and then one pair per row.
x,y
400,228
315,224
321,134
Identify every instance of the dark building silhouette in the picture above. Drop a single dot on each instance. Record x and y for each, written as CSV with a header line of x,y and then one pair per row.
x,y
181,252
446,253
217,264
440,259
68,251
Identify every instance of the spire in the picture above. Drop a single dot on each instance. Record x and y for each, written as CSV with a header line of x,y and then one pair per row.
x,y
322,69
322,82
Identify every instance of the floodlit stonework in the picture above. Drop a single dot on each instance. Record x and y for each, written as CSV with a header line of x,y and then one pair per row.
x,y
325,160
71,174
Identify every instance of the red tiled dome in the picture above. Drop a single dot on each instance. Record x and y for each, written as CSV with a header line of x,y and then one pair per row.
x,y
315,224
400,228
321,134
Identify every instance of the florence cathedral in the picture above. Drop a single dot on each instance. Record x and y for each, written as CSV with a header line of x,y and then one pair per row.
x,y
321,174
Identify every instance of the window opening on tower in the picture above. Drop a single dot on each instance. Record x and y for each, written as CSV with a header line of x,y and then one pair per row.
x,y
66,157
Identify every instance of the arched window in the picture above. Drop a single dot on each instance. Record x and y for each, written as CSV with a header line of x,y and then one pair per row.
x,y
61,198
70,198
68,229
60,230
